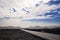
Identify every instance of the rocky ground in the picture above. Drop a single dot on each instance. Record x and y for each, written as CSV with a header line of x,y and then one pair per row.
x,y
17,34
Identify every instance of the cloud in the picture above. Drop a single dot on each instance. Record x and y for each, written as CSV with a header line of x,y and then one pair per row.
x,y
2,20
42,9
26,10
13,9
50,20
28,6
53,13
33,12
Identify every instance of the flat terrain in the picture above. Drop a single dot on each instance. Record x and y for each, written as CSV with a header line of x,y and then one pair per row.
x,y
17,34
44,35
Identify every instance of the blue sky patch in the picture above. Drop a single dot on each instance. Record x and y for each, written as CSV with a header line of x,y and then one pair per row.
x,y
52,2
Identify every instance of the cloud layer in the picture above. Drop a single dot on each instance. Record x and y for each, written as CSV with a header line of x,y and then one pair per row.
x,y
29,9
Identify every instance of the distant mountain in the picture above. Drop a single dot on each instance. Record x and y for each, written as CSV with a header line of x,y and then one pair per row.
x,y
9,27
41,27
35,27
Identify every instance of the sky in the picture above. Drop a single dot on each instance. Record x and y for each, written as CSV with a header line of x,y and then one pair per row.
x,y
26,13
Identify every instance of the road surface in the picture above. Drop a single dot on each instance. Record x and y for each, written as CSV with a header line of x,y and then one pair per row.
x,y
44,35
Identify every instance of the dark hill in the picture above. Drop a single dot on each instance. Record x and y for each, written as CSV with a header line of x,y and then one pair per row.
x,y
17,34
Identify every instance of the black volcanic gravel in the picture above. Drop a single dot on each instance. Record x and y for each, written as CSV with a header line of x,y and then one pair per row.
x,y
17,34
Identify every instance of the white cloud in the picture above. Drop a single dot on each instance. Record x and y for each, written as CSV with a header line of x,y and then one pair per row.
x,y
7,5
45,1
18,5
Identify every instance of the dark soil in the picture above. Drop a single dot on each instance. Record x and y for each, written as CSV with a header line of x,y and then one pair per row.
x,y
17,34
